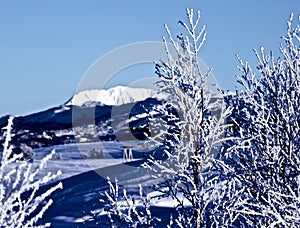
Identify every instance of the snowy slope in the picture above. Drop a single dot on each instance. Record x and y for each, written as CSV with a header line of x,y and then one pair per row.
x,y
81,194
115,96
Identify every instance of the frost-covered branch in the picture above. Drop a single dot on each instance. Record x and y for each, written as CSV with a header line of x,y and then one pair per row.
x,y
266,119
20,204
123,210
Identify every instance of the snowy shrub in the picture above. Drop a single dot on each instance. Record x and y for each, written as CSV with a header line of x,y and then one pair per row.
x,y
127,211
20,203
265,155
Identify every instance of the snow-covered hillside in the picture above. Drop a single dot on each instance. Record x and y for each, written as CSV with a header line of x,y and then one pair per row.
x,y
115,96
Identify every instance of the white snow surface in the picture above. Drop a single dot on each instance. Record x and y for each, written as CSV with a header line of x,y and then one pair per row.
x,y
115,96
167,202
70,160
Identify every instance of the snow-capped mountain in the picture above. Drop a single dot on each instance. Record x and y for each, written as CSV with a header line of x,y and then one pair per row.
x,y
115,96
55,125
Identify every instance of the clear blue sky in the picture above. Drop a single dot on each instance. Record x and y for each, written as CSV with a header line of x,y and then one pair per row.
x,y
46,46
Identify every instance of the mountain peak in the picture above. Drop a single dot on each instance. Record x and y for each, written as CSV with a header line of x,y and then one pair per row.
x,y
115,96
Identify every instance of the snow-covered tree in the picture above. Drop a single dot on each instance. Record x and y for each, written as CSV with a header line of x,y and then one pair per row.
x,y
228,167
191,131
194,130
265,154
20,203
